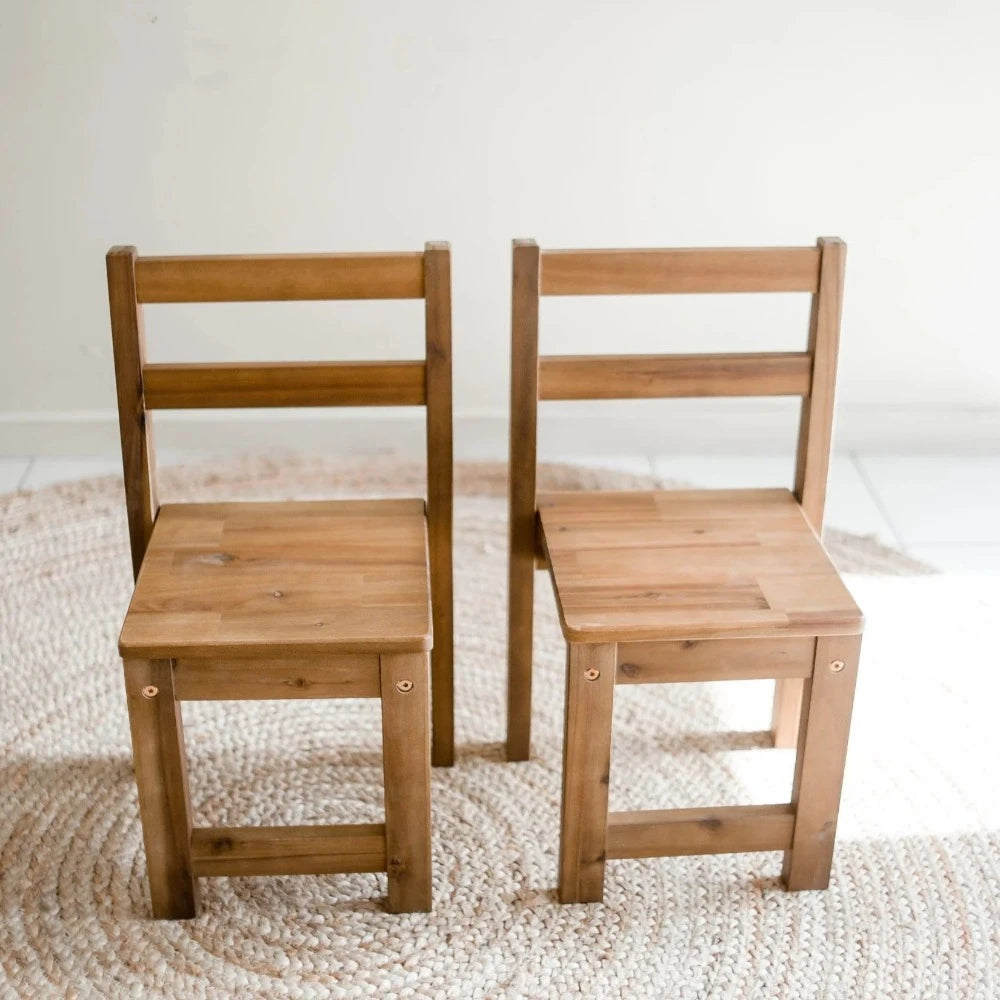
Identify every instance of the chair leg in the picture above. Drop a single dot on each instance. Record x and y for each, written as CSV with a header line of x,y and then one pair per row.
x,y
786,712
819,767
161,777
406,760
443,688
590,689
520,610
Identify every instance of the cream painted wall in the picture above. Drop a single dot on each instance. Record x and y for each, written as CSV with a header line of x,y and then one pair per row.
x,y
216,125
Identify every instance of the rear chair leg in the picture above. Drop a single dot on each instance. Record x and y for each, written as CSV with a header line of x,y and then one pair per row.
x,y
786,712
161,776
406,759
590,689
443,693
443,612
520,600
819,766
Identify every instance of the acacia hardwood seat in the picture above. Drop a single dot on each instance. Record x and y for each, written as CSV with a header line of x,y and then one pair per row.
x,y
662,587
689,564
292,599
282,579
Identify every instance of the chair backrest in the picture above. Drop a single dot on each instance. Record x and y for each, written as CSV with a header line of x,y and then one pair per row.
x,y
810,374
134,281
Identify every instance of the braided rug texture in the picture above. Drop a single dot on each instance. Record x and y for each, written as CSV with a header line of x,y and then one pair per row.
x,y
913,910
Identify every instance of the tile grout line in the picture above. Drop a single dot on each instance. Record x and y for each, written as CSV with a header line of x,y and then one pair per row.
x,y
26,473
869,485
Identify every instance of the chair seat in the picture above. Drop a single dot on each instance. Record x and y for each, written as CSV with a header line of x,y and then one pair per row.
x,y
690,564
282,579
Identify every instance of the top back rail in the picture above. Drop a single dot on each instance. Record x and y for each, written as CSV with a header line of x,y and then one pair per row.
x,y
280,277
658,272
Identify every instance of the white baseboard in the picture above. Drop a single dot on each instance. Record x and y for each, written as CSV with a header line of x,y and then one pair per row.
x,y
647,427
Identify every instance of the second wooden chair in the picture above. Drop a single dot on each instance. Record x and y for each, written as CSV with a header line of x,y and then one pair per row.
x,y
656,587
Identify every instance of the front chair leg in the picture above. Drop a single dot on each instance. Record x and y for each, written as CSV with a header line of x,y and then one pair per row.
x,y
406,759
819,766
590,689
161,777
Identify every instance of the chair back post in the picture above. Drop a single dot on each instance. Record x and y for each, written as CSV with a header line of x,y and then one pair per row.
x,y
812,463
437,311
524,397
521,485
135,423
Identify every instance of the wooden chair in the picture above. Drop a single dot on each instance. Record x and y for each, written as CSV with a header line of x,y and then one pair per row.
x,y
700,585
286,600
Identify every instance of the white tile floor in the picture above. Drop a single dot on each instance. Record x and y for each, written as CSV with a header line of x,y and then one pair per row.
x,y
942,509
12,473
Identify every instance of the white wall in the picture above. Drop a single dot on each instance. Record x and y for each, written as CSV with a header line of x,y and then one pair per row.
x,y
217,125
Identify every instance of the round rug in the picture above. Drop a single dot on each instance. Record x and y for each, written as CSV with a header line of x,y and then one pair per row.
x,y
912,911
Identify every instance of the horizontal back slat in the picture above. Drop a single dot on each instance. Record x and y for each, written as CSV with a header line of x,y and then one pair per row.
x,y
662,376
280,277
654,272
333,383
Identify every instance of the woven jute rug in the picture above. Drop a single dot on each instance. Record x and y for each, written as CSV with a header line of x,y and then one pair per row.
x,y
913,911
